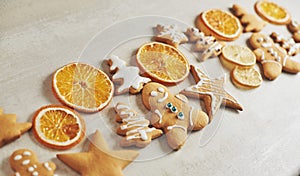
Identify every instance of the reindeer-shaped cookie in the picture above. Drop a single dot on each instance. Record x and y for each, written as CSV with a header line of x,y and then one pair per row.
x,y
274,59
25,163
172,113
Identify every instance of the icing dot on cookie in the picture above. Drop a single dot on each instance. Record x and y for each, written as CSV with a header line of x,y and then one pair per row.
x,y
35,173
153,94
160,89
31,169
17,157
17,174
25,162
26,153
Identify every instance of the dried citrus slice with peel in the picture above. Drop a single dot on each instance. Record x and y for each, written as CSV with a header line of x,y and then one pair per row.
x,y
83,87
58,127
162,63
220,24
235,55
272,12
246,78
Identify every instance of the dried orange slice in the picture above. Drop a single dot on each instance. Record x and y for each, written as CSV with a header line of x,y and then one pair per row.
x,y
246,78
235,55
162,63
83,87
272,12
220,24
58,127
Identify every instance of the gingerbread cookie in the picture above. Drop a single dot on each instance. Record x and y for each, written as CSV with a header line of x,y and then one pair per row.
x,y
170,35
127,76
99,160
289,45
134,127
211,91
294,27
208,45
172,113
273,58
250,22
10,130
25,163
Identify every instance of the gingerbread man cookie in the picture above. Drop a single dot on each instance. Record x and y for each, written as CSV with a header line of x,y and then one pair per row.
x,y
25,163
127,76
170,35
250,22
172,113
208,45
10,130
289,45
134,127
273,58
294,27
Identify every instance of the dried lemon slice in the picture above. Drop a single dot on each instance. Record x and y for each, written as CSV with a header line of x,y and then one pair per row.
x,y
220,24
272,12
58,127
162,63
246,78
235,55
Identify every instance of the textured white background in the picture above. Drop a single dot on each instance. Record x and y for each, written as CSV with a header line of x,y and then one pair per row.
x,y
37,37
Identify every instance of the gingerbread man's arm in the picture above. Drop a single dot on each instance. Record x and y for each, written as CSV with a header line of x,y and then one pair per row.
x,y
291,66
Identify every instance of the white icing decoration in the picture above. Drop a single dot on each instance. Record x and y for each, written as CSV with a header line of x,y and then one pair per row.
x,y
156,111
25,162
284,60
47,166
163,98
17,174
172,32
35,173
153,93
31,169
295,23
191,116
216,97
137,124
161,90
26,153
129,74
176,126
121,106
178,96
265,45
17,157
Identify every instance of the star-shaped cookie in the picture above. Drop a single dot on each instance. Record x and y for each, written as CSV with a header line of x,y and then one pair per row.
x,y
211,91
170,35
99,160
10,130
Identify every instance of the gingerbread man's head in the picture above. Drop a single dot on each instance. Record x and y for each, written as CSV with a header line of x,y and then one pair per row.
x,y
272,57
172,113
25,163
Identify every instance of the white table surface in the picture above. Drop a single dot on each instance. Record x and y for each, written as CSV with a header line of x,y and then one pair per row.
x,y
37,37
